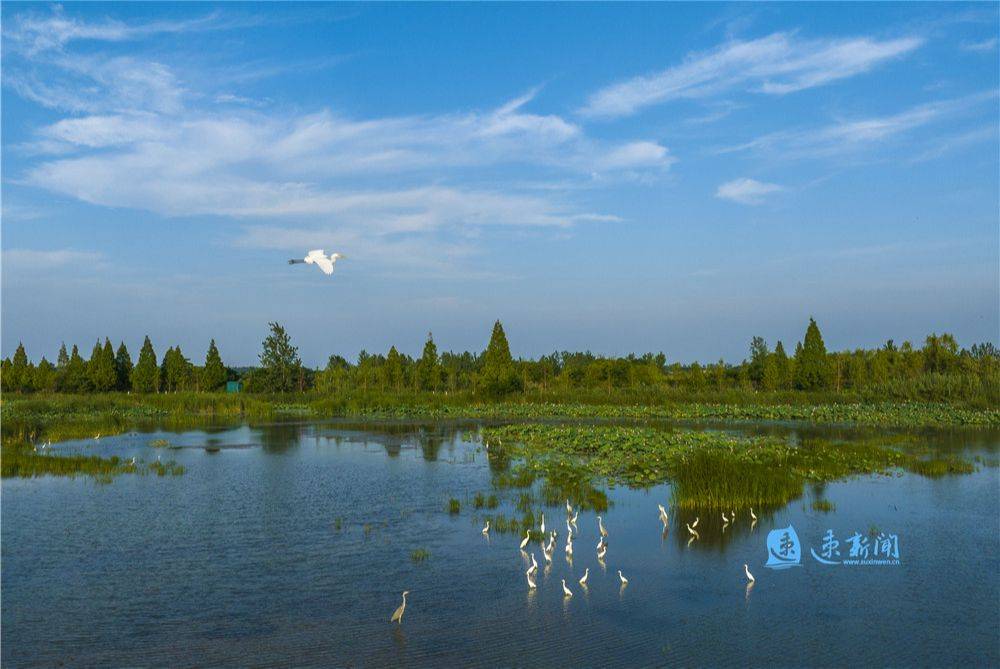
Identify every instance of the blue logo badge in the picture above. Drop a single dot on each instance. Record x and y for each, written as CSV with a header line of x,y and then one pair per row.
x,y
783,549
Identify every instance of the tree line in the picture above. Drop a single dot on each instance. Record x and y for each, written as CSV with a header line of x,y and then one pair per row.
x,y
939,369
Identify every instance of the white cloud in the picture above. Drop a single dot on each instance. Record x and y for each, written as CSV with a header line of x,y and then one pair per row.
x,y
48,259
852,135
746,191
986,46
777,64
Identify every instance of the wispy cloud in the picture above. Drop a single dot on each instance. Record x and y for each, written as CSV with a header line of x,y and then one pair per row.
x,y
746,191
985,46
846,136
44,260
778,64
34,32
137,136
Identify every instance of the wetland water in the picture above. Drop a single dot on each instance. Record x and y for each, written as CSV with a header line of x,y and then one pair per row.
x,y
291,544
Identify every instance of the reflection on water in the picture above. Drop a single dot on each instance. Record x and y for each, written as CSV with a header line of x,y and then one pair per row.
x,y
290,543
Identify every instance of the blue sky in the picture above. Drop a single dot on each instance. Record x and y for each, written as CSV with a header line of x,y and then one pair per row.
x,y
617,177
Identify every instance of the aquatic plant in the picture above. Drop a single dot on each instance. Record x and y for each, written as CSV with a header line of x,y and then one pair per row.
x,y
710,470
419,554
937,467
823,505
454,506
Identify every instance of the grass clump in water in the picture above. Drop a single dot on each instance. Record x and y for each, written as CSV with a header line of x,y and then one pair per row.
x,y
419,554
454,506
823,505
938,467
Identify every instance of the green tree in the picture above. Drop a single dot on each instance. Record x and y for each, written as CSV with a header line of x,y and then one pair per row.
x,y
176,370
20,373
76,379
812,367
769,376
101,368
393,370
498,376
123,368
213,376
782,370
45,376
146,373
279,360
758,354
429,367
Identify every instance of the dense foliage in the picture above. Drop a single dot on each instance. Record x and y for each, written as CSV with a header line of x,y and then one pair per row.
x,y
939,371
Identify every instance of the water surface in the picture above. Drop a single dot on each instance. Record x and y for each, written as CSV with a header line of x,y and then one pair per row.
x,y
291,544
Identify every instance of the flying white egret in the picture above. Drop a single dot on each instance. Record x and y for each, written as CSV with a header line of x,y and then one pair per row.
x,y
397,616
600,526
486,530
566,591
527,537
749,575
752,514
583,579
622,578
319,258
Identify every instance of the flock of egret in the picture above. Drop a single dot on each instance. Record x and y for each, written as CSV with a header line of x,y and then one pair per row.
x,y
548,544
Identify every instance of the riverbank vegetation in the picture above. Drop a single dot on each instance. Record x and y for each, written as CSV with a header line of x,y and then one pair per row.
x,y
707,470
938,371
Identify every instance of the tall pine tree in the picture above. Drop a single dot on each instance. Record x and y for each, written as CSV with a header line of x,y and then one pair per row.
x,y
101,368
429,367
146,373
213,376
123,368
812,367
498,376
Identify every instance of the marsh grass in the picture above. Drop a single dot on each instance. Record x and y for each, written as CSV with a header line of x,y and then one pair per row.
x,y
708,470
19,459
419,555
454,506
938,467
823,505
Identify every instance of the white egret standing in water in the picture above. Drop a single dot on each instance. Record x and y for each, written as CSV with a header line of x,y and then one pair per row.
x,y
486,530
695,523
318,257
534,565
752,514
663,516
724,519
397,616
527,537
749,575
692,531
566,591
531,580
600,527
583,579
622,578
575,516
569,509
